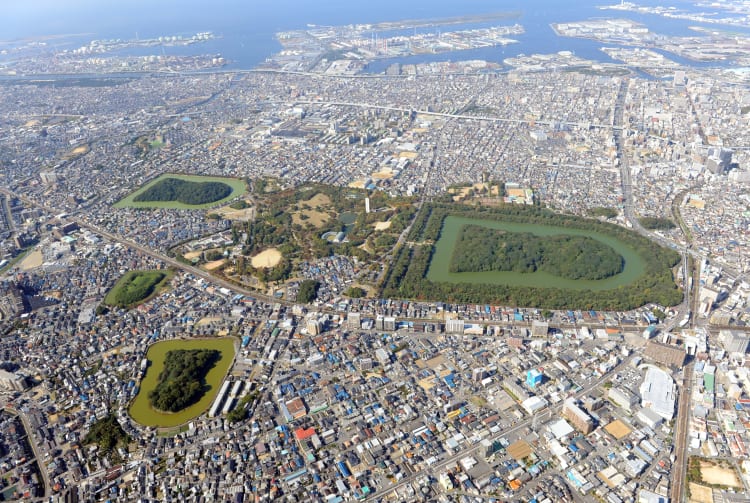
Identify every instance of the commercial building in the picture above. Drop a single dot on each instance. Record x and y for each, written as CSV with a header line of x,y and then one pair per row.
x,y
296,407
658,392
534,404
671,356
539,328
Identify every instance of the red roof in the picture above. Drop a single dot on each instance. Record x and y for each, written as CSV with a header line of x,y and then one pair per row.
x,y
304,434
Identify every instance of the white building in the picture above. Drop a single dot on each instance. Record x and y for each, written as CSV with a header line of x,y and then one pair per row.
x,y
658,392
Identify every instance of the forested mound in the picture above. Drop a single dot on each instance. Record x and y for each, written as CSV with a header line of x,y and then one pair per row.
x,y
183,380
183,191
480,249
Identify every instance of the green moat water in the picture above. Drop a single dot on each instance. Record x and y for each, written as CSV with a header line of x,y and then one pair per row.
x,y
439,265
141,410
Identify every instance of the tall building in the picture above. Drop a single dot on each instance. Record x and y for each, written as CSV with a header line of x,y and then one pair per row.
x,y
354,321
719,160
734,342
12,382
454,326
533,378
389,323
577,416
313,326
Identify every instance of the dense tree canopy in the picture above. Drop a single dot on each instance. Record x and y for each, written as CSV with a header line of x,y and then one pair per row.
x,y
603,211
183,380
308,291
655,223
184,191
480,249
355,292
107,434
134,287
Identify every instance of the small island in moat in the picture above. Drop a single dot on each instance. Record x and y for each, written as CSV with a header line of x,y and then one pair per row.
x,y
182,382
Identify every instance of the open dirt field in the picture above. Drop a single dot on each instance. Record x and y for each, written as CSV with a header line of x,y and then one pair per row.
x,y
713,474
232,214
381,226
463,192
267,258
700,494
384,174
215,264
76,152
313,216
207,320
31,261
193,254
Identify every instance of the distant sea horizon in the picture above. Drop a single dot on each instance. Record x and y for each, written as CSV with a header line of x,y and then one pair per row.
x,y
246,31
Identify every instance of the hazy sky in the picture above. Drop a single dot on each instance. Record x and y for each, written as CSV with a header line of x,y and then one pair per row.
x,y
21,18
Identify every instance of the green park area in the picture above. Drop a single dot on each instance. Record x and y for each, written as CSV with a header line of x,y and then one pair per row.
x,y
136,287
293,225
182,379
530,257
184,192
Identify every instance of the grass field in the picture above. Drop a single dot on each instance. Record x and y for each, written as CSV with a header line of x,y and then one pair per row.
x,y
136,287
238,188
141,410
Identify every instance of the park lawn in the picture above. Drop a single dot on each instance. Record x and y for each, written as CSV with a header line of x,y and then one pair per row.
x,y
238,188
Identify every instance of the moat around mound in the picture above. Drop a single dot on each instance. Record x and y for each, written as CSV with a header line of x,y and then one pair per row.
x,y
528,256
183,192
142,410
525,272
